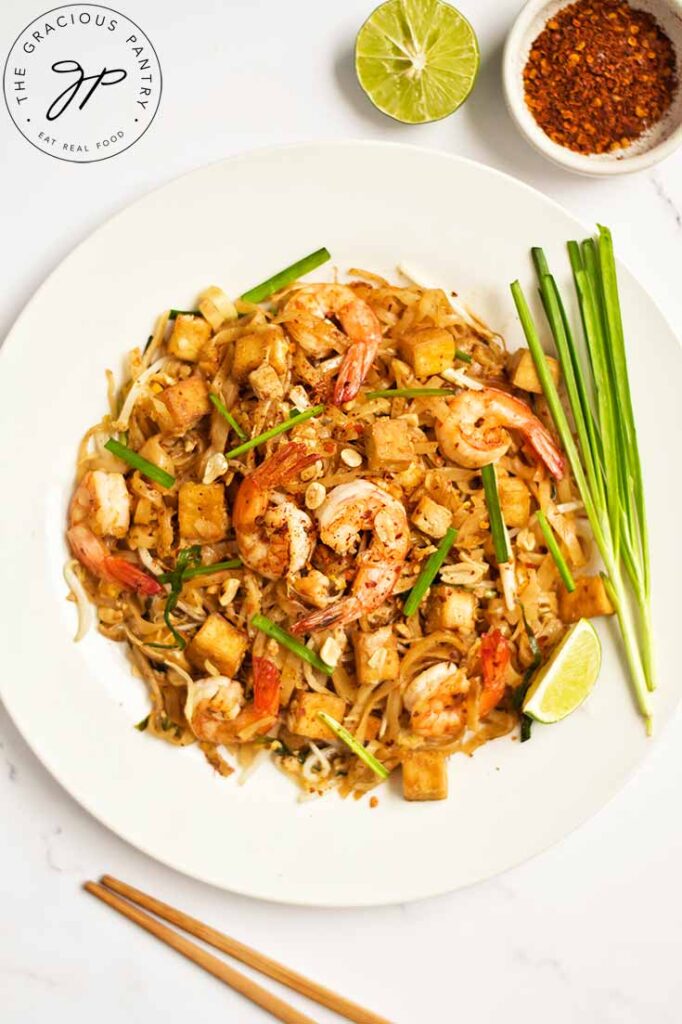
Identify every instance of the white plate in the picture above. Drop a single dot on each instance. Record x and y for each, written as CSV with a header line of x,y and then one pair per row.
x,y
374,205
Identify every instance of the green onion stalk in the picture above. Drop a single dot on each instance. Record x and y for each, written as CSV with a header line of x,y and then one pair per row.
x,y
279,428
275,632
429,573
605,460
287,276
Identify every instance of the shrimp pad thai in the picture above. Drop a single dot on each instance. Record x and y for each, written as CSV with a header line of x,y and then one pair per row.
x,y
320,519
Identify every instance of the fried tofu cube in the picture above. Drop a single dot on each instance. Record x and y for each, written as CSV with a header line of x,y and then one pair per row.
x,y
188,337
266,383
452,608
587,600
429,350
389,445
266,345
201,512
425,775
514,501
431,518
186,402
302,717
523,372
376,656
219,642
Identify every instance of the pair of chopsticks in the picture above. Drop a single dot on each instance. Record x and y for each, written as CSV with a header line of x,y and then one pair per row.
x,y
111,890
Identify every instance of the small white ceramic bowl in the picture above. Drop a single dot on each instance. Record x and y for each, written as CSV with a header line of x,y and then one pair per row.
x,y
653,146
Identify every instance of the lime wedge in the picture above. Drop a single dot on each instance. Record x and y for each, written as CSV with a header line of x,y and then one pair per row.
x,y
417,60
565,681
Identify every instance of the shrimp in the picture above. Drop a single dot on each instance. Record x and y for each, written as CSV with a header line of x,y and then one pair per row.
x,y
473,431
434,699
495,659
216,711
101,507
358,320
274,541
347,510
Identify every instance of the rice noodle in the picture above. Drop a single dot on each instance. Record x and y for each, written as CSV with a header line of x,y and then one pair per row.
x,y
136,389
86,612
262,374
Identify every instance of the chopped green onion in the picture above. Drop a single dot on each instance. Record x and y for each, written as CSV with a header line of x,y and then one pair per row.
x,y
555,551
464,356
428,573
377,767
254,442
286,276
147,344
148,469
187,560
497,527
183,312
201,570
410,393
142,725
271,629
224,412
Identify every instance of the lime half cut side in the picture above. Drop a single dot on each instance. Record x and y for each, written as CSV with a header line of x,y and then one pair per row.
x,y
568,677
417,60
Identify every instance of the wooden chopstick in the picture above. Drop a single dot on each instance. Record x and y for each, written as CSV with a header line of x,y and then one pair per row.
x,y
277,1007
324,996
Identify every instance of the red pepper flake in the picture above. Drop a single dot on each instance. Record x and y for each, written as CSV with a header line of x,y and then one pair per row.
x,y
373,802
584,79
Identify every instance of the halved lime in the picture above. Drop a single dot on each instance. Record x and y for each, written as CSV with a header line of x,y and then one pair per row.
x,y
417,60
567,678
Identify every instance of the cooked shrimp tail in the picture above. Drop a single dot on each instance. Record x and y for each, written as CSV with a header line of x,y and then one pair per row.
x,y
284,465
362,326
473,429
495,659
266,686
93,553
338,614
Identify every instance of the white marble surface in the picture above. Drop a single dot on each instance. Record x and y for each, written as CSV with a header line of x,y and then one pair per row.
x,y
590,931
